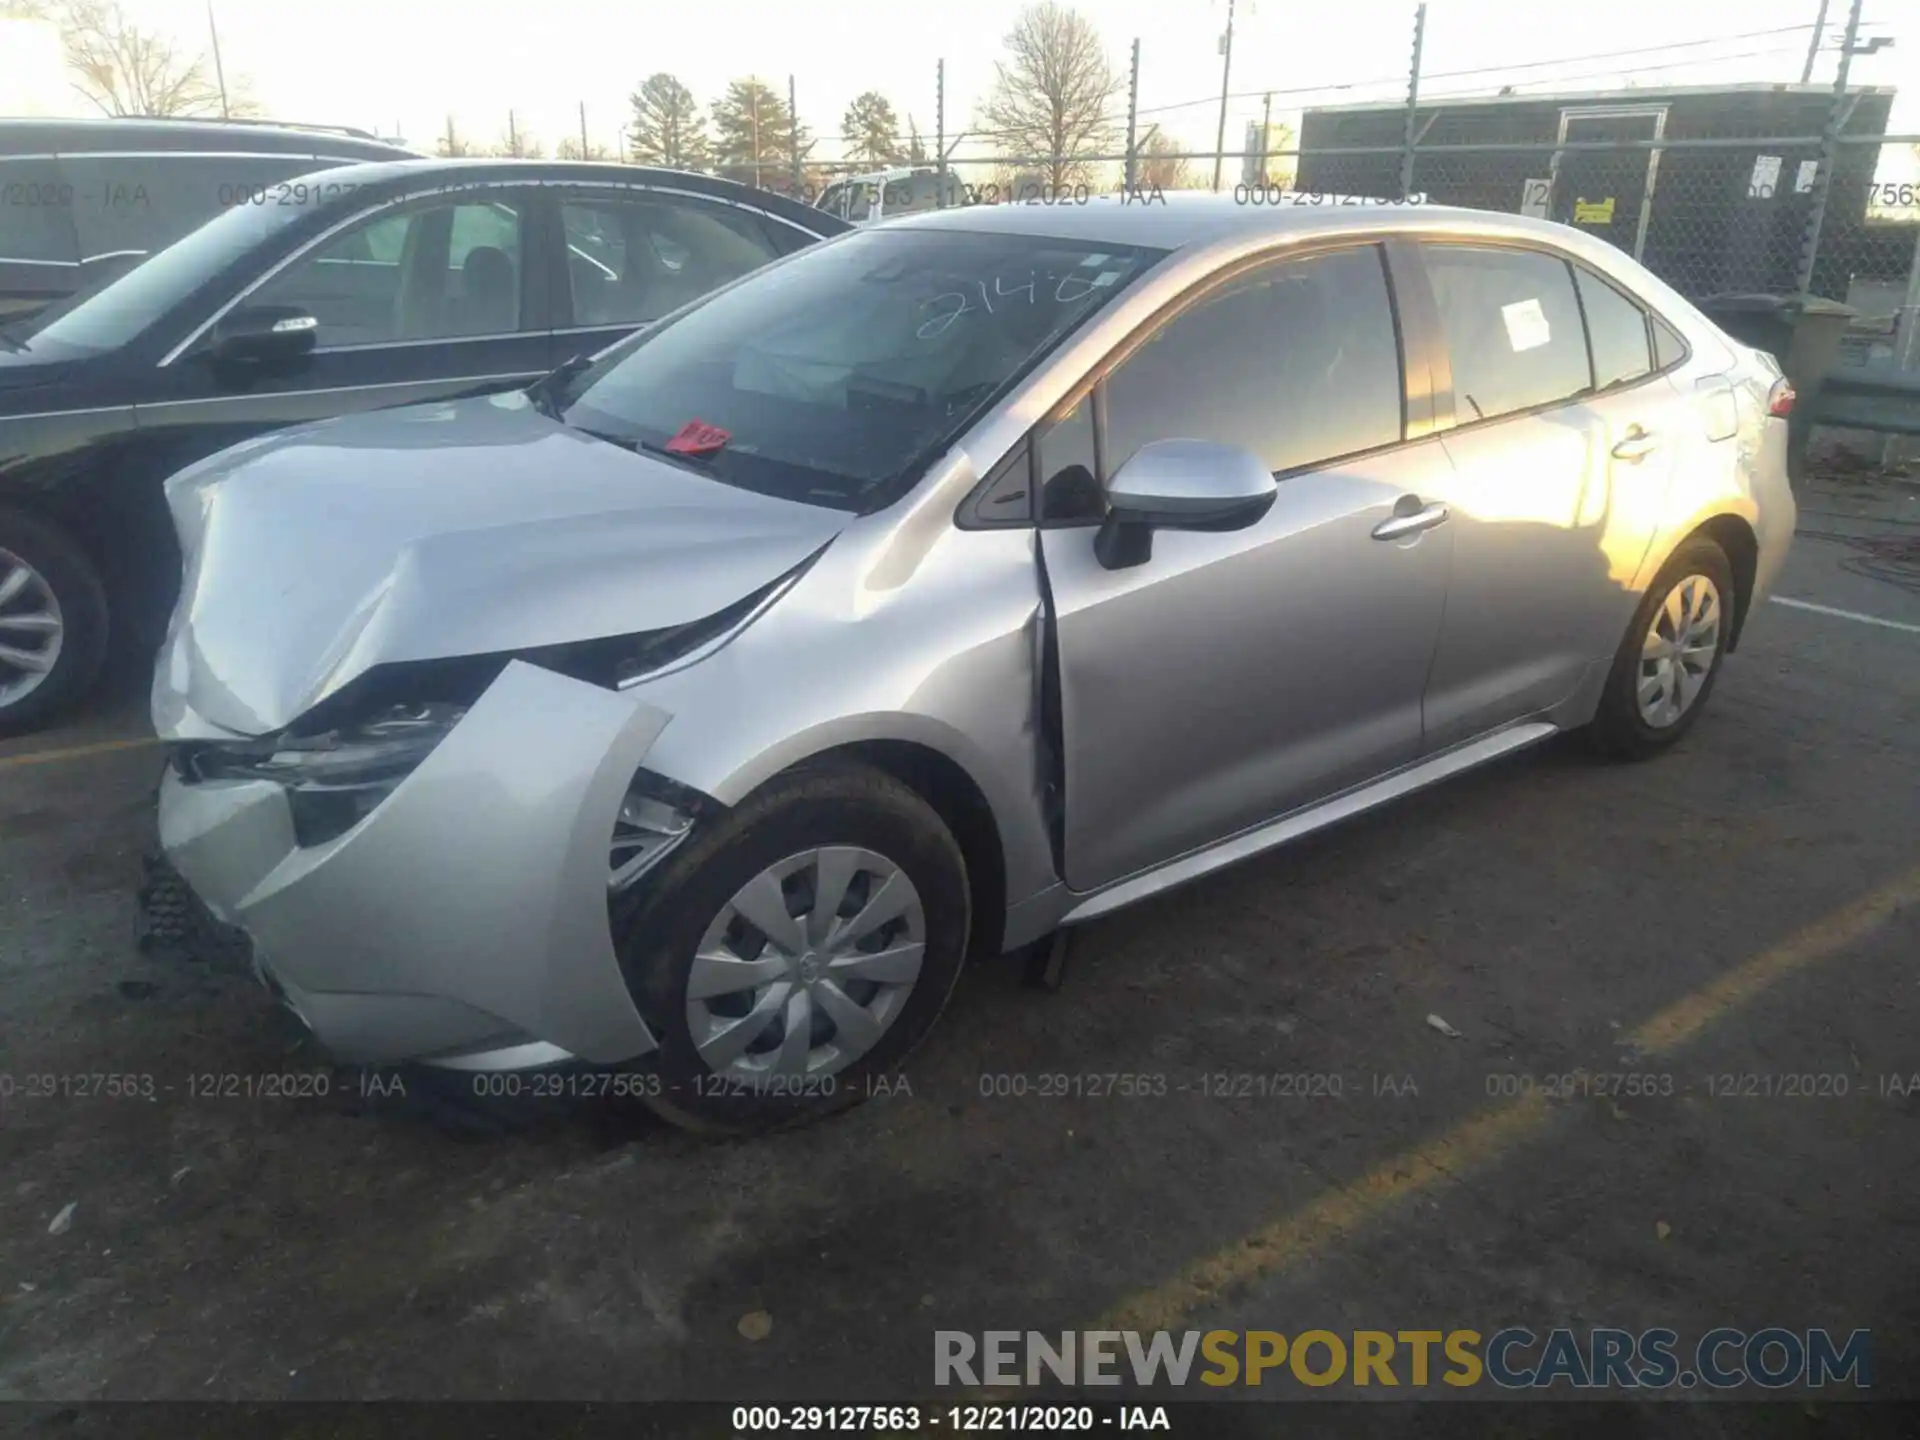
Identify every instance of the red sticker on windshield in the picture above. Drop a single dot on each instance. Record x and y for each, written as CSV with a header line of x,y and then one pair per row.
x,y
696,437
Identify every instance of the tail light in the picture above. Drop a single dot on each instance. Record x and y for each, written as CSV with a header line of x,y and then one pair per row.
x,y
1780,399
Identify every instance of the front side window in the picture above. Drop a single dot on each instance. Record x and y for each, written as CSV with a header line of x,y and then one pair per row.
x,y
1297,362
837,375
631,260
128,206
429,272
179,277
1513,328
1616,329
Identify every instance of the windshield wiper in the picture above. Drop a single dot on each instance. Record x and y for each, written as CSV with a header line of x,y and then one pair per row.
x,y
546,393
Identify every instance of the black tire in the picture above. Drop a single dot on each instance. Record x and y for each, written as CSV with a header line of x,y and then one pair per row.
x,y
83,612
1618,730
657,931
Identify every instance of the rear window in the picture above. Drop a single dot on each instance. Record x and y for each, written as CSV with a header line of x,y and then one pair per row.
x,y
839,373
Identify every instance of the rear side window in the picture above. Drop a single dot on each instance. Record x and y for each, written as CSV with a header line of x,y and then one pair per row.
x,y
634,258
1513,328
1616,329
1668,347
36,213
1296,362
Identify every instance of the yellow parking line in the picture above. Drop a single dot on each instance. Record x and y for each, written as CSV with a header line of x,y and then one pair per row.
x,y
1336,1215
1685,1018
77,752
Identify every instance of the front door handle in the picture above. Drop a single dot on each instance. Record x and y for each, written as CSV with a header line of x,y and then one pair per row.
x,y
1635,445
1408,521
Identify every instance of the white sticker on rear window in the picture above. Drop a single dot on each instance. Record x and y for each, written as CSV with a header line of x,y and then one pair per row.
x,y
1527,327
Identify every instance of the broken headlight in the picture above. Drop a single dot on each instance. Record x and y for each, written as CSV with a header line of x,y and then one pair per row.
x,y
334,778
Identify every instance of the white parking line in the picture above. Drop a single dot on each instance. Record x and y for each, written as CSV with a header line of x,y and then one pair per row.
x,y
1846,614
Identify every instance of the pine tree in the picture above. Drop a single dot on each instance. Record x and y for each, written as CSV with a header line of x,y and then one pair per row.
x,y
667,129
755,136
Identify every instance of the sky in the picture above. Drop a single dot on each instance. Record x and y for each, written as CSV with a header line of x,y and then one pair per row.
x,y
404,66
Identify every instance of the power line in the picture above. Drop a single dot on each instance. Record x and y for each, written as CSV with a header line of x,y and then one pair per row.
x,y
1506,69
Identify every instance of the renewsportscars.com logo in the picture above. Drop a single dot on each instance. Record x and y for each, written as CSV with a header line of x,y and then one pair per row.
x,y
1514,1358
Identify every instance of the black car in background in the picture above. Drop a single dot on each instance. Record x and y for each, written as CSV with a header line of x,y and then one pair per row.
x,y
350,289
84,201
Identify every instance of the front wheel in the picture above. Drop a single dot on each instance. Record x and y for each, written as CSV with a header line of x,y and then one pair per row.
x,y
1671,655
53,623
789,958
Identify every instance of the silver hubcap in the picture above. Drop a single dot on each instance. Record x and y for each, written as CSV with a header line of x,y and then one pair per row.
x,y
1679,650
806,967
31,629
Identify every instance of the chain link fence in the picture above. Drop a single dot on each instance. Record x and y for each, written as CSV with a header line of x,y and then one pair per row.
x,y
1836,217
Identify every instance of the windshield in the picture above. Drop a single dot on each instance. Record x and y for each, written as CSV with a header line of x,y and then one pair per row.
x,y
834,378
108,317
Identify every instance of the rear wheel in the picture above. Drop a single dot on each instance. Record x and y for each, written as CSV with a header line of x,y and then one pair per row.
x,y
1671,655
798,950
53,623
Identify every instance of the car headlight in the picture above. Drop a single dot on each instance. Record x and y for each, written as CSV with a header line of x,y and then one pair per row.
x,y
334,778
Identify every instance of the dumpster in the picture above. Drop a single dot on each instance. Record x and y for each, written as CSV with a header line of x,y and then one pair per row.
x,y
1802,332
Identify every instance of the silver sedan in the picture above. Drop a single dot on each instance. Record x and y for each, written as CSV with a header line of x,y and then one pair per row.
x,y
927,593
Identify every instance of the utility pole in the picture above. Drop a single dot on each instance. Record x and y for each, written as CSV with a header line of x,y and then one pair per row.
x,y
219,71
1133,117
1266,137
452,143
793,133
1813,47
1829,151
940,124
513,137
1226,72
753,111
584,154
1413,101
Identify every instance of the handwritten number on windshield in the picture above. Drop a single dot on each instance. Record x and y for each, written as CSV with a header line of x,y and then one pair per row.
x,y
1070,289
939,323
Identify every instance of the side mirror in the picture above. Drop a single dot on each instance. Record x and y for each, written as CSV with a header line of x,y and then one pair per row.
x,y
264,335
1179,485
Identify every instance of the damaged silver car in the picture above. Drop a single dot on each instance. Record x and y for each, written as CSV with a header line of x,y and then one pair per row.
x,y
928,592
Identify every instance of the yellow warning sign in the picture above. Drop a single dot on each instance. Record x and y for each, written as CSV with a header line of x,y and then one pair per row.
x,y
1593,212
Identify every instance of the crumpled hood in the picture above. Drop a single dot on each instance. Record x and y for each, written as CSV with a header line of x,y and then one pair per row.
x,y
465,528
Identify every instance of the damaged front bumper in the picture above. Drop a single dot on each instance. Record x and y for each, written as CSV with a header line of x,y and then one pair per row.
x,y
464,921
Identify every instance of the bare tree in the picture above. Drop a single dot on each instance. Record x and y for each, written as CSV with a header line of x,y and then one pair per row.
x,y
128,71
1160,165
515,144
871,130
571,149
1050,95
452,145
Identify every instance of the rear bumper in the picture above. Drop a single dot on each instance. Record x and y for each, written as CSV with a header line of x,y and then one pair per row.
x,y
465,920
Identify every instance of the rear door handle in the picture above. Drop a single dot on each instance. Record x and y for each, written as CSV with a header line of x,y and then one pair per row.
x,y
1635,445
1400,525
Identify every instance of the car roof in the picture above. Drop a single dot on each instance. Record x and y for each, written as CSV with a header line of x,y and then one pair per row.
x,y
25,136
1178,220
401,173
